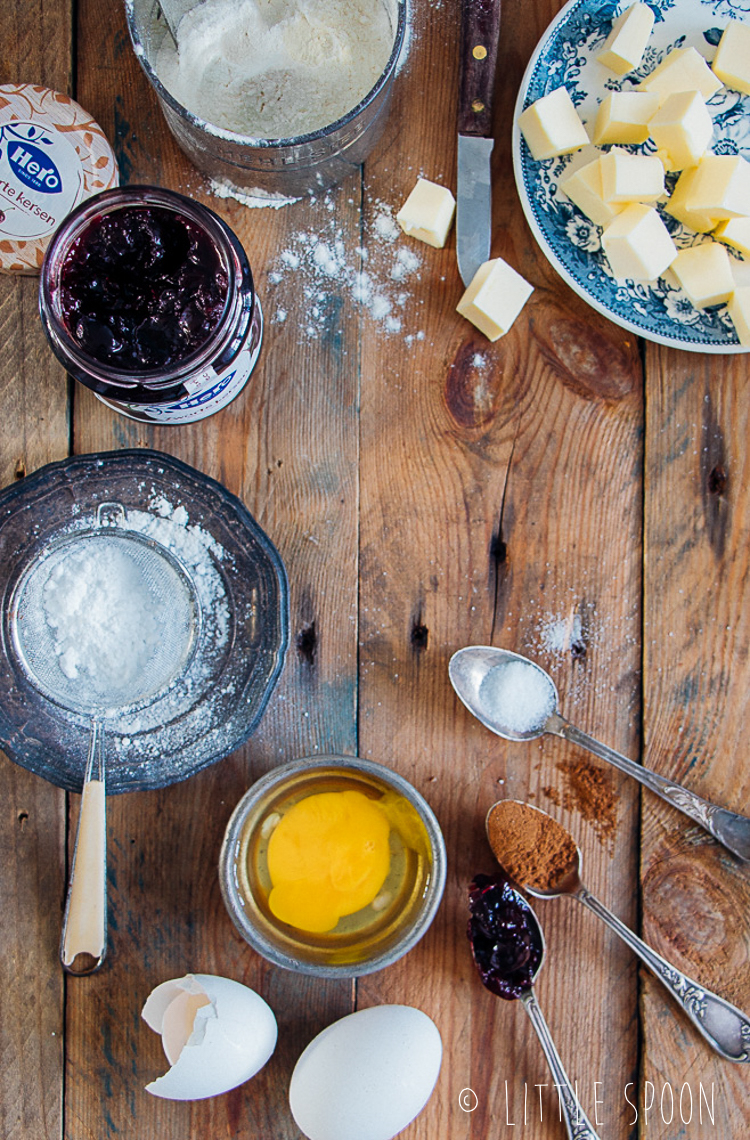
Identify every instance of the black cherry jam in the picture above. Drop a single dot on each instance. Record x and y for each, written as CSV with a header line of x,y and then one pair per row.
x,y
147,297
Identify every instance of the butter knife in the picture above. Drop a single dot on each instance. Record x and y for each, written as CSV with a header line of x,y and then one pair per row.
x,y
480,31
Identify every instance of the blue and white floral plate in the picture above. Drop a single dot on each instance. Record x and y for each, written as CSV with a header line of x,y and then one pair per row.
x,y
566,55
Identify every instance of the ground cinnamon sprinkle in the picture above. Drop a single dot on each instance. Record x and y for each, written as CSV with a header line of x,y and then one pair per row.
x,y
532,847
591,792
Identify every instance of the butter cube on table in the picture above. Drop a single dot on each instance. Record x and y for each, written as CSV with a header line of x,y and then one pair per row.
x,y
683,69
705,273
584,188
427,213
735,232
739,311
732,60
494,298
626,43
623,117
677,205
631,177
721,187
638,245
682,128
552,126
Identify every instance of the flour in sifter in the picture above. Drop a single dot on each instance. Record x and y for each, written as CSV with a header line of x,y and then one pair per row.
x,y
277,68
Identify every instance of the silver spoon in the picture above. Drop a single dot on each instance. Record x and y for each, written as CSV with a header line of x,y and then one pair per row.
x,y
498,891
520,705
725,1027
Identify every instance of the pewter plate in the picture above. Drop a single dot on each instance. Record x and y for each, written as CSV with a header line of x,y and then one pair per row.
x,y
566,55
213,708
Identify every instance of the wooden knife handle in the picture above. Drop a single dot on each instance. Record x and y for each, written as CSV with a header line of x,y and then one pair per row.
x,y
480,32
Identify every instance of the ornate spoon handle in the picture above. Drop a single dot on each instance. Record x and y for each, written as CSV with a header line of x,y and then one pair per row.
x,y
732,830
724,1026
579,1128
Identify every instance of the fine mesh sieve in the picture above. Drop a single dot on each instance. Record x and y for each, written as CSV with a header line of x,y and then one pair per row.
x,y
136,609
101,620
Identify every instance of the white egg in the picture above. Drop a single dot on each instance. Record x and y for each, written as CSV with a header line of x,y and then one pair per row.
x,y
216,1034
367,1075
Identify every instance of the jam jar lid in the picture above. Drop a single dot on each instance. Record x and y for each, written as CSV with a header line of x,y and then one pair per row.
x,y
53,155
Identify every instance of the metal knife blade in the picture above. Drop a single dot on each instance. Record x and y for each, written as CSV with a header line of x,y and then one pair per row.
x,y
480,29
473,205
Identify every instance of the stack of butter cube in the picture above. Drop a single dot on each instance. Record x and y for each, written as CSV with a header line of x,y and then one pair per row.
x,y
619,190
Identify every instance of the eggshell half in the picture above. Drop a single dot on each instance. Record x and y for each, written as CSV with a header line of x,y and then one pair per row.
x,y
367,1075
216,1034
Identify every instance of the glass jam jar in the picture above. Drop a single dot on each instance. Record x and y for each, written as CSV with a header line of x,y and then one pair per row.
x,y
147,298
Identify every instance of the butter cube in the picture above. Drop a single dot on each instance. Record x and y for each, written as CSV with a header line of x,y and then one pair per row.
x,y
626,43
682,128
735,232
638,245
677,205
732,60
631,177
584,188
739,311
623,117
705,274
721,187
427,213
551,126
684,69
494,298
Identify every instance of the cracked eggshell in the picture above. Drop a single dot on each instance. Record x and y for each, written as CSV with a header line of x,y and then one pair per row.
x,y
216,1034
367,1075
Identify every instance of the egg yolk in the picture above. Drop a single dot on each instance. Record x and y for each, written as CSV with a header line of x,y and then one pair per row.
x,y
327,857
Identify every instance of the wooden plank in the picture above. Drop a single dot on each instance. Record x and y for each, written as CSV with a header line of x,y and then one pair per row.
x,y
501,490
696,896
288,447
33,431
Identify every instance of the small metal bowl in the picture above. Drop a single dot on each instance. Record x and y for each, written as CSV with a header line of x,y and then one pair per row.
x,y
286,167
361,943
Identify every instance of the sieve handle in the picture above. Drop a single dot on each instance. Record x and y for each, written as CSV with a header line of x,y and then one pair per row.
x,y
84,934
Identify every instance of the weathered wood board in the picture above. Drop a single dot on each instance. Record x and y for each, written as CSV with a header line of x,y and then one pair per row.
x,y
562,492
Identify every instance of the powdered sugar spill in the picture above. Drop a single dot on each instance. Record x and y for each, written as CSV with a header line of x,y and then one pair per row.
x,y
254,199
380,277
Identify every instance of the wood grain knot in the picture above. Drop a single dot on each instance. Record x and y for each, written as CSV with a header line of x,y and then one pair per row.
x,y
471,388
307,643
717,480
693,908
420,635
588,362
498,548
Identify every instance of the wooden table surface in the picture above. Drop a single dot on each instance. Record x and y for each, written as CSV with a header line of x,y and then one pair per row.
x,y
566,492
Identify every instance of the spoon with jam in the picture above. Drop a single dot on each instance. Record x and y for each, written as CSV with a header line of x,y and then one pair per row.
x,y
544,859
516,699
508,948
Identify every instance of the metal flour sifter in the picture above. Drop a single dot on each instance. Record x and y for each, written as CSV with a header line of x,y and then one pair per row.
x,y
135,609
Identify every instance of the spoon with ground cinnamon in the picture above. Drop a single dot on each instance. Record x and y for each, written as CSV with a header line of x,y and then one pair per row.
x,y
542,857
517,699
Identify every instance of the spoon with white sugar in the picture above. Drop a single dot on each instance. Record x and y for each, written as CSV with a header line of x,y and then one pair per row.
x,y
516,699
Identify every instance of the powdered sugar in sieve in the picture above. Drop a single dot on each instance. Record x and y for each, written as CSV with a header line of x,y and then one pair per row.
x,y
104,619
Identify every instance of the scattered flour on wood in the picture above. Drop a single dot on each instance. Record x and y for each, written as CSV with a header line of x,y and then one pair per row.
x,y
382,276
